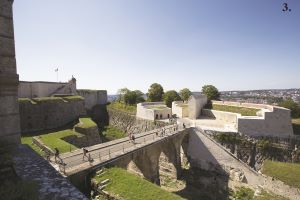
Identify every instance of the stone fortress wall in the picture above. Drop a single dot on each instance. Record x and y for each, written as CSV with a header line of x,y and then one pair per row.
x,y
195,105
93,97
180,109
51,113
146,111
270,120
9,79
27,89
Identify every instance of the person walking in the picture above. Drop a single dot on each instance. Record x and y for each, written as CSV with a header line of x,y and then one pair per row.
x,y
56,153
85,151
133,139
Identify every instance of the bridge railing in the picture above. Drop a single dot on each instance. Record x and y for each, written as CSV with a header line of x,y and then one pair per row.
x,y
104,154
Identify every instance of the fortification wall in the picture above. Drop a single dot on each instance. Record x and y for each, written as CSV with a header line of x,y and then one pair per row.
x,y
9,79
37,115
93,97
272,120
180,109
275,123
196,103
225,117
28,89
246,105
143,113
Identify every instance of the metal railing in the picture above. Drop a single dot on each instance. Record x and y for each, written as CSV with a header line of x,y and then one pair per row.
x,y
104,154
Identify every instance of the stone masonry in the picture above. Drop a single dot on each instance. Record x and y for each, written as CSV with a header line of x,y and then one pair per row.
x,y
9,79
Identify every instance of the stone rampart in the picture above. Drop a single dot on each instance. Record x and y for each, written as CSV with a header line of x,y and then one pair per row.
x,y
93,97
225,117
35,89
180,109
49,113
272,120
272,123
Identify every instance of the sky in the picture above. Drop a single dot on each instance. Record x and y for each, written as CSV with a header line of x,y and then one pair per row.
x,y
112,44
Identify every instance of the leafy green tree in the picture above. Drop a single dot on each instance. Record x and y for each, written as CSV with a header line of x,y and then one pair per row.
x,y
155,92
185,93
293,106
130,98
121,92
139,96
211,92
171,96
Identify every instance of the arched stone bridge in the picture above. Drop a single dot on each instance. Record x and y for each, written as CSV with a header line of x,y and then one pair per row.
x,y
153,153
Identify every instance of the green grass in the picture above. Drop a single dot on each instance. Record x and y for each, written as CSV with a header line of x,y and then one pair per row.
x,y
235,109
73,98
86,122
157,107
28,140
244,193
296,126
131,187
121,106
113,133
53,140
43,99
289,173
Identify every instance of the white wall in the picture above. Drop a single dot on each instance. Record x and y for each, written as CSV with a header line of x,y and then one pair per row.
x,y
93,97
179,110
196,103
45,89
147,113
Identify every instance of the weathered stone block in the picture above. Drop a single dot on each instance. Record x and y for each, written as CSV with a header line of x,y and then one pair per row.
x,y
6,8
10,105
9,124
7,64
7,47
6,27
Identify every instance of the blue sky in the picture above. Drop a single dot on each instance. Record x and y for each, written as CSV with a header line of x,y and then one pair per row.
x,y
111,44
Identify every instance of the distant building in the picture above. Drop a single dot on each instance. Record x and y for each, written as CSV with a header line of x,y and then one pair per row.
x,y
153,111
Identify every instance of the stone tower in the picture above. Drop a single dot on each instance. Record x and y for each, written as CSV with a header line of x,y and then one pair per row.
x,y
9,79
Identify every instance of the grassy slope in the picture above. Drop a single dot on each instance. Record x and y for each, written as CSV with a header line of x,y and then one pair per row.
x,y
296,126
86,122
235,109
286,172
132,187
113,133
248,194
53,140
123,107
28,140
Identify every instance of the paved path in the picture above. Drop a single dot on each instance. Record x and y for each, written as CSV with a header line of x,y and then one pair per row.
x,y
52,185
103,153
254,179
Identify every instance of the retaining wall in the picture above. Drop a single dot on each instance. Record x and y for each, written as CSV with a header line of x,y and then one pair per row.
x,y
49,114
93,97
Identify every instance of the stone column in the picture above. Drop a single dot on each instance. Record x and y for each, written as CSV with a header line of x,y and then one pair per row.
x,y
9,79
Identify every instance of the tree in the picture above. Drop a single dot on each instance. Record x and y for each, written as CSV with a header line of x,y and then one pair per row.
x,y
130,98
121,93
293,106
211,92
139,96
155,92
171,96
185,93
